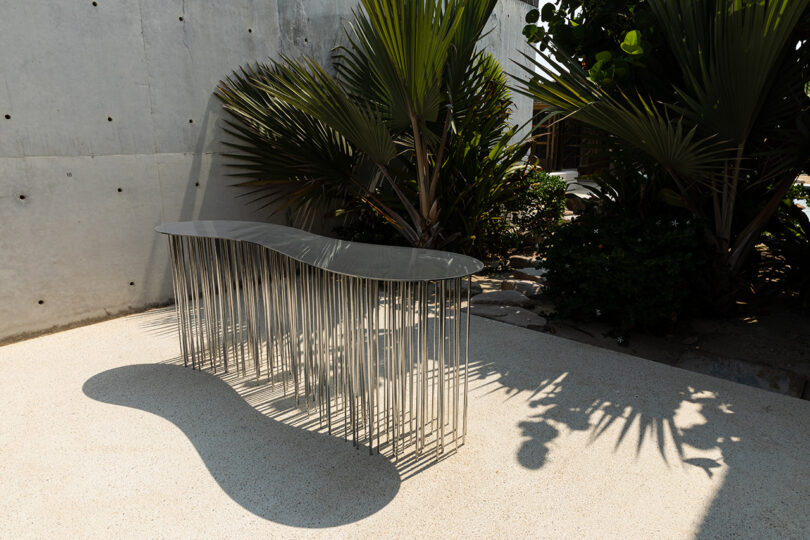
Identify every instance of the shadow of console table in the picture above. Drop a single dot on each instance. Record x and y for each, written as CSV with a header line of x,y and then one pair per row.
x,y
370,337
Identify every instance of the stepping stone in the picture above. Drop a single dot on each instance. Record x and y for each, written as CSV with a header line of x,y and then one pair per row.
x,y
520,261
531,273
532,289
740,371
502,298
476,288
510,315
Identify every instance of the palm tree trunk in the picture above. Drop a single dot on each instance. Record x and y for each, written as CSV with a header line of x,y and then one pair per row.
x,y
420,149
730,257
746,240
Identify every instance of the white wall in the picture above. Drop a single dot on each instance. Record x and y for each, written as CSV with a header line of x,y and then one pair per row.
x,y
80,194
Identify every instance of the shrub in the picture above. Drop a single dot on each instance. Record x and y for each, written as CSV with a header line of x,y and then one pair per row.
x,y
619,42
788,237
532,205
524,213
368,226
539,205
414,123
727,155
632,272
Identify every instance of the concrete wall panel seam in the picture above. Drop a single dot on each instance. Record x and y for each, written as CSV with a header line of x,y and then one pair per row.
x,y
102,96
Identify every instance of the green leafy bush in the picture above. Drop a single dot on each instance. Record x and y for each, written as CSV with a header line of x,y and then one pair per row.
x,y
539,205
798,191
619,42
520,214
531,206
368,226
632,272
788,237
413,125
730,141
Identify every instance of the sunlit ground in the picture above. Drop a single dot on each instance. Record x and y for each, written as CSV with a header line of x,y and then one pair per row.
x,y
104,433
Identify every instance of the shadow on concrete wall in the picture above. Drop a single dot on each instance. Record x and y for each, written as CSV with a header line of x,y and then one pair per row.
x,y
197,186
208,190
277,471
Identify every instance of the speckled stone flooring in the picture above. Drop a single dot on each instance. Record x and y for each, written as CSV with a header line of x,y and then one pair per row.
x,y
104,434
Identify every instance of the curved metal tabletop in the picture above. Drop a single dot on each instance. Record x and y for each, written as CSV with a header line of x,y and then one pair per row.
x,y
368,261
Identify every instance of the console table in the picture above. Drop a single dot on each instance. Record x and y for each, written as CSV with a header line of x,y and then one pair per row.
x,y
370,337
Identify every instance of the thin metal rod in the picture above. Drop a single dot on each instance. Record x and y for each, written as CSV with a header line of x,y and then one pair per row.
x,y
382,359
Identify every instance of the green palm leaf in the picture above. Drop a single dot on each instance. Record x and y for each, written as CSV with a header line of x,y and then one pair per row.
x,y
307,87
410,88
274,144
740,122
565,87
731,60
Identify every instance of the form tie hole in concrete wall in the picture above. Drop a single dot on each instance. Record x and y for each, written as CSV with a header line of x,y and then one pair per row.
x,y
190,121
180,19
250,30
197,184
22,197
8,117
109,119
131,283
40,302
120,190
95,4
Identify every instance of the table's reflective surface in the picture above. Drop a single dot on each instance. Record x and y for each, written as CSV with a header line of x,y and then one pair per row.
x,y
389,263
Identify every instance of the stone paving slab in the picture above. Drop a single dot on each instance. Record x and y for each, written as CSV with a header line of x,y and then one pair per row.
x,y
531,289
502,298
510,315
103,434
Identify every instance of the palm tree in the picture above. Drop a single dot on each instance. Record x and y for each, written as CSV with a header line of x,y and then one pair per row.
x,y
738,133
388,128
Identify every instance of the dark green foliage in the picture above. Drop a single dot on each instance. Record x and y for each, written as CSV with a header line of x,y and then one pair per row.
x,y
538,206
788,237
413,125
628,271
370,227
619,41
520,214
476,176
727,122
798,191
531,204
634,184
481,161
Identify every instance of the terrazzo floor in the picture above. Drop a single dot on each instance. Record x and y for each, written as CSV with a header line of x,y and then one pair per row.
x,y
103,434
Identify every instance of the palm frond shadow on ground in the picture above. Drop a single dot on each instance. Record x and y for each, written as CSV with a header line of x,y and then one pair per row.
x,y
695,421
565,398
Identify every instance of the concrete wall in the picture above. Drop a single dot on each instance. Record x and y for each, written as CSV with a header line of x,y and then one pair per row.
x,y
505,40
108,127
